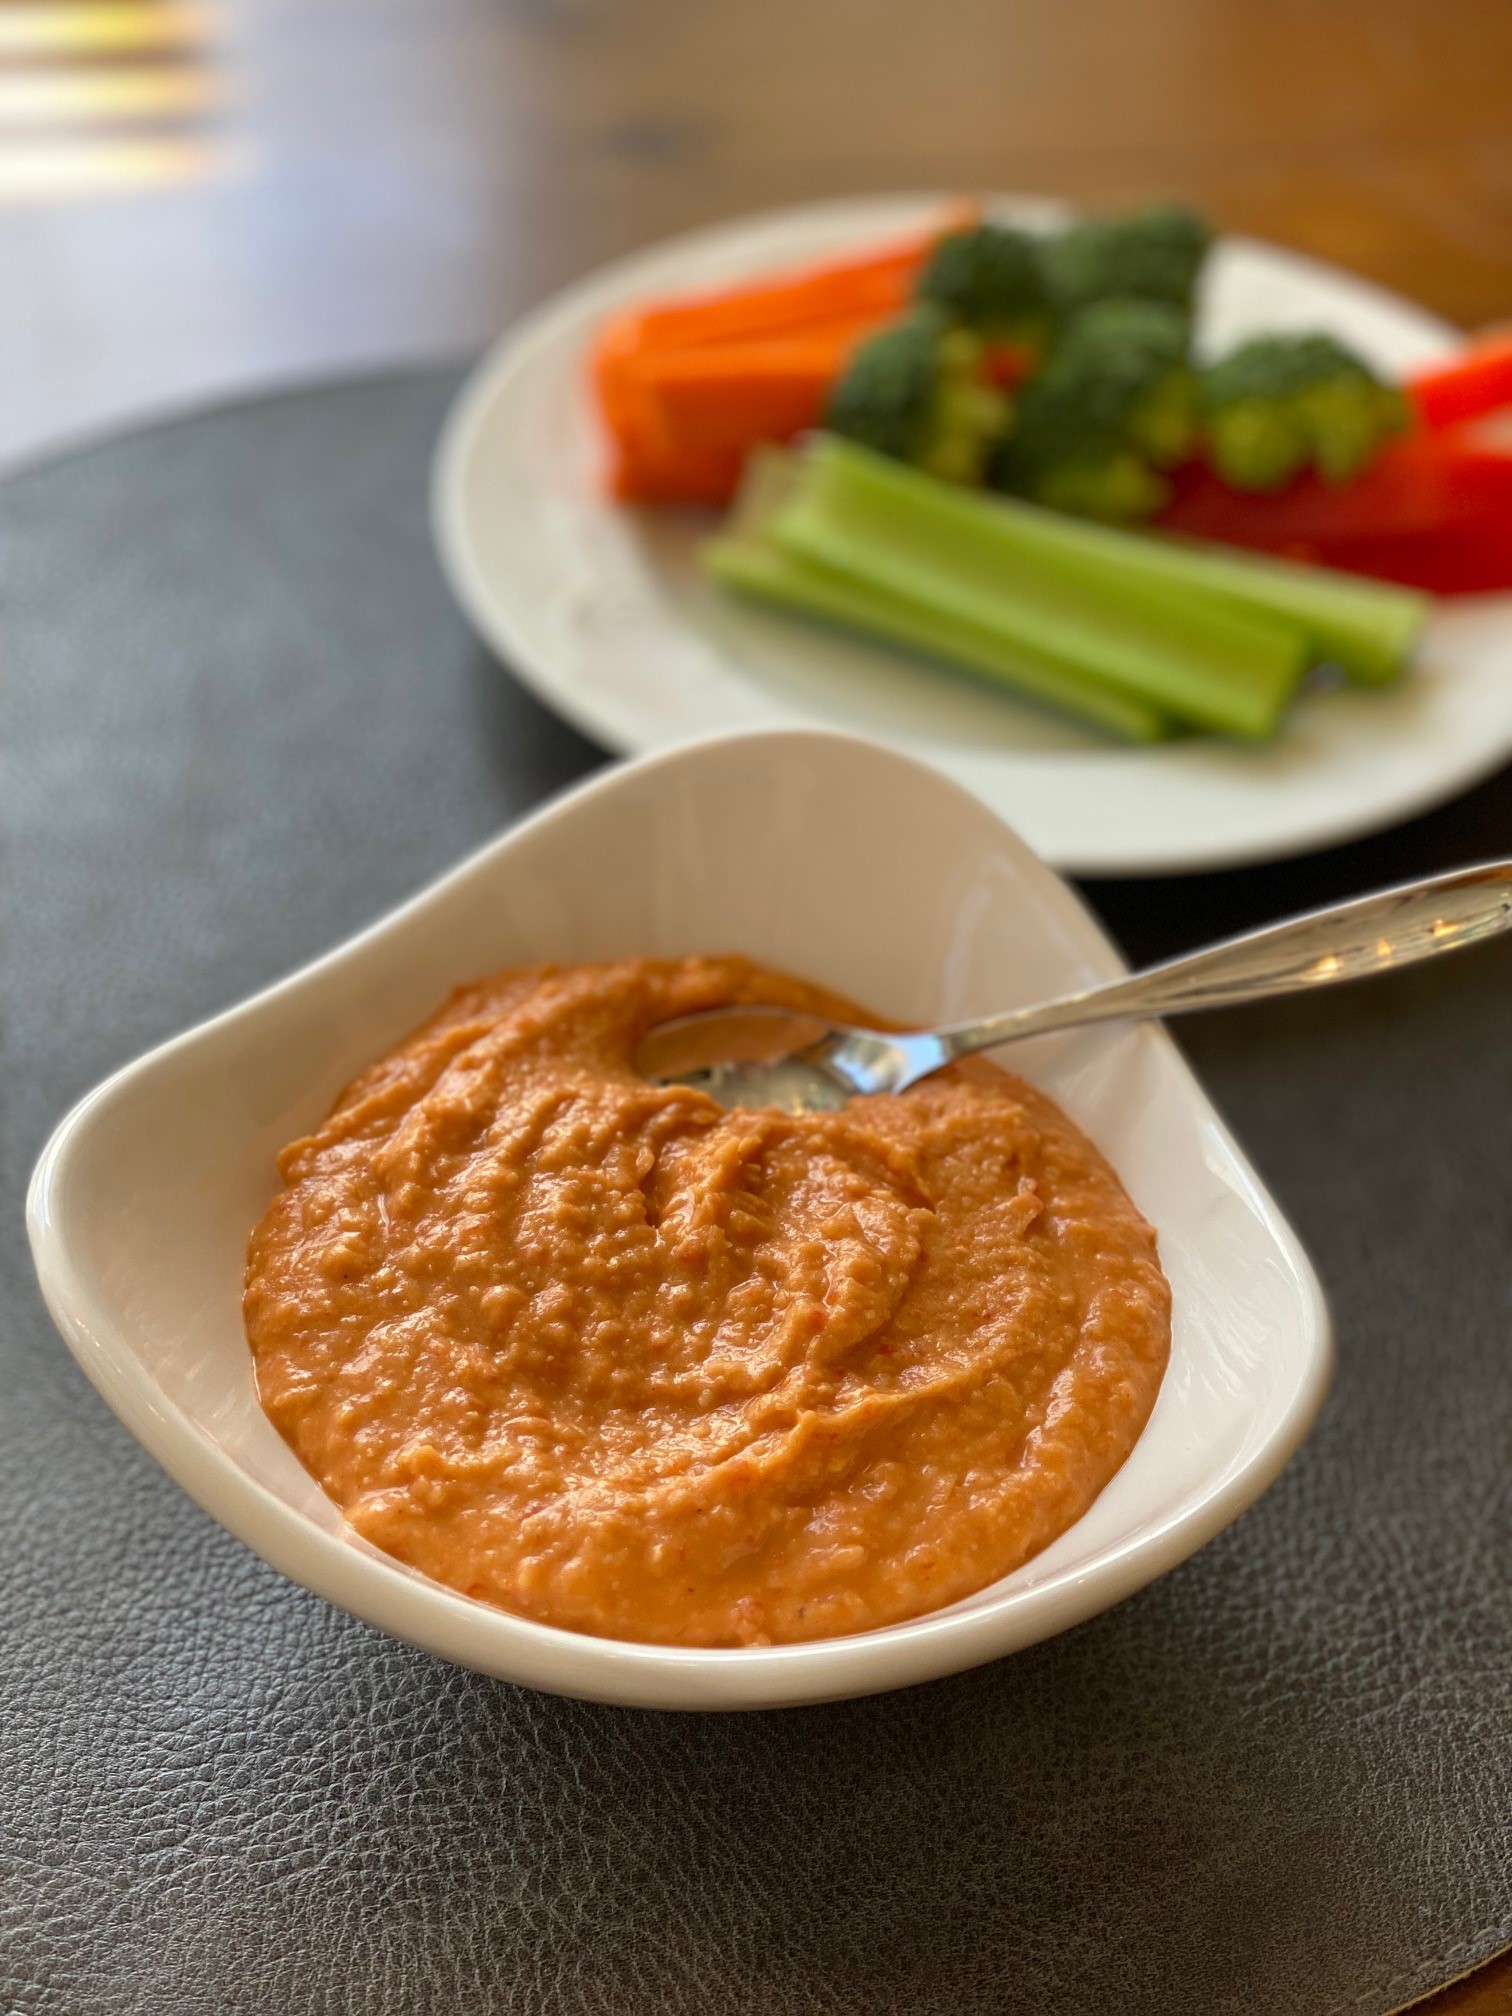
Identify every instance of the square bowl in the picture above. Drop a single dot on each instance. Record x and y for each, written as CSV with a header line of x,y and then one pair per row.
x,y
815,852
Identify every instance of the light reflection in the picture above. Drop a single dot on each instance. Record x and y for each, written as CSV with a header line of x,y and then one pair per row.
x,y
118,28
1324,968
86,111
66,97
56,170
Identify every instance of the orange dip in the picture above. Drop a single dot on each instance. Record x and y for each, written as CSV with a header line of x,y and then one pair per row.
x,y
612,1358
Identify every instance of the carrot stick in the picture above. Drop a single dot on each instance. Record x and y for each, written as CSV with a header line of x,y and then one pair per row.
x,y
676,428
645,473
876,283
654,398
732,395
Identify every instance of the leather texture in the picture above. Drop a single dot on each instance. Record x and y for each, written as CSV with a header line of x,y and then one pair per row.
x,y
240,719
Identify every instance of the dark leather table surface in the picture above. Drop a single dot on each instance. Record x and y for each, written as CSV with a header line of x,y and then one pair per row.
x,y
240,718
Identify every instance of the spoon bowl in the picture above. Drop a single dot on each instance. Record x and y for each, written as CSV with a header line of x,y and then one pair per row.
x,y
782,1057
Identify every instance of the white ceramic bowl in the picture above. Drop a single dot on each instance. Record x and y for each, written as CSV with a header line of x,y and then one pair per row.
x,y
813,851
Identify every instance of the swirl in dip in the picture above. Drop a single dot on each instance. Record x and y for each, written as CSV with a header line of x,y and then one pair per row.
x,y
608,1356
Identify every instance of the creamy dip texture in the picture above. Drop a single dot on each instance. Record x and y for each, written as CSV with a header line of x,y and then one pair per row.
x,y
612,1358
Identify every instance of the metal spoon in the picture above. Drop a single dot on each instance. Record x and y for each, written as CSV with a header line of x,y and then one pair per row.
x,y
759,1056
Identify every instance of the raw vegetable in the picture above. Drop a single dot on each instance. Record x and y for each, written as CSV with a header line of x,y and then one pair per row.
x,y
753,567
991,278
642,472
876,283
1151,255
1469,560
1423,483
1056,367
1281,404
1114,404
919,392
1470,385
1367,630
891,528
686,386
730,395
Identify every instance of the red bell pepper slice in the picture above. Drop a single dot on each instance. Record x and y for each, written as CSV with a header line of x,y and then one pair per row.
x,y
1423,484
1474,382
1465,560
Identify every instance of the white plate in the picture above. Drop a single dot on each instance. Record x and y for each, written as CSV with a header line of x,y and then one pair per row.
x,y
928,908
604,613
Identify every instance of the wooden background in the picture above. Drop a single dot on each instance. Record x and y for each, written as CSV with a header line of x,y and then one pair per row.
x,y
199,198
202,196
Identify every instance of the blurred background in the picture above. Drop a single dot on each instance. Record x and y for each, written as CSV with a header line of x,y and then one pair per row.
x,y
200,198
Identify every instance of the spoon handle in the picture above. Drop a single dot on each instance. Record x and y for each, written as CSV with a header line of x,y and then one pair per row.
x,y
1347,941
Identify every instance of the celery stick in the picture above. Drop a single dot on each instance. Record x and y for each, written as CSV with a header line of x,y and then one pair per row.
x,y
1366,627
768,574
1369,629
888,527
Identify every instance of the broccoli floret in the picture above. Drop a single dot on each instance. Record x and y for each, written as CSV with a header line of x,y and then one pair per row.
x,y
1114,404
1281,404
918,392
992,279
1150,255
